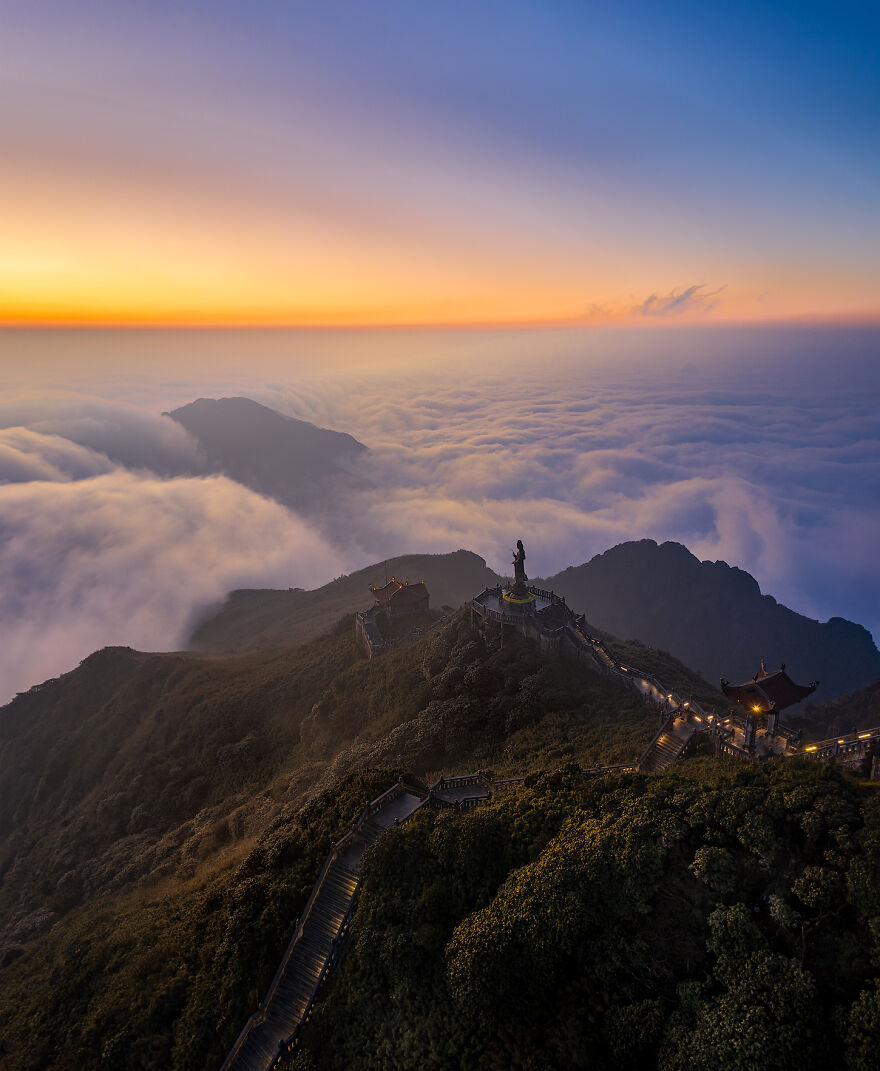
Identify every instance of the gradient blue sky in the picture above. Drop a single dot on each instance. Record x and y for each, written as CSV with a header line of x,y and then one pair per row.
x,y
400,162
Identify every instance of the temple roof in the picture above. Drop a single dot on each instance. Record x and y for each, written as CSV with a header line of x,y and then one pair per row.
x,y
400,591
768,691
410,592
383,594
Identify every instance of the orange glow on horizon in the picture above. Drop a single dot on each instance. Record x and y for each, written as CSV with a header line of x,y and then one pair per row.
x,y
105,254
93,258
63,318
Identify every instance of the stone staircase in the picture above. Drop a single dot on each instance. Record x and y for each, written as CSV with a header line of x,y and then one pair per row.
x,y
318,936
292,994
668,745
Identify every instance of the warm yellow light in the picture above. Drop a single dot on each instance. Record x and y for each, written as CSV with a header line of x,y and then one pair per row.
x,y
756,709
864,736
841,741
813,748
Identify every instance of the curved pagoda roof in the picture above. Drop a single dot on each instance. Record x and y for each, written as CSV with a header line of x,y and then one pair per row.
x,y
768,691
383,594
400,591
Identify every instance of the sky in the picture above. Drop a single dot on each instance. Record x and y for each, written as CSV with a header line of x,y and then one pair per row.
x,y
398,163
575,273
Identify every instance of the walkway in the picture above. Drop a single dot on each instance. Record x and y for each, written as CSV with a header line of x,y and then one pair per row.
x,y
669,744
316,938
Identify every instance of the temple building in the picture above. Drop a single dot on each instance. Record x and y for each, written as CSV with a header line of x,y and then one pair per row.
x,y
765,696
399,598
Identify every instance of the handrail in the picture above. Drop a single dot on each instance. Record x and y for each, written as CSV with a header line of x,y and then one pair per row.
x,y
260,1014
663,728
734,750
846,743
463,780
623,767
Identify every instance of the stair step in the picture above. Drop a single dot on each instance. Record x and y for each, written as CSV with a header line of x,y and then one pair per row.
x,y
329,912
309,969
257,1053
310,945
322,912
329,923
295,997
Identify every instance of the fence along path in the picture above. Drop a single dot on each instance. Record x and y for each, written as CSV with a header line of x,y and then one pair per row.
x,y
315,945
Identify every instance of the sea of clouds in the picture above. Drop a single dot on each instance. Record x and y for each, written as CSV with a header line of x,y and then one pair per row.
x,y
114,530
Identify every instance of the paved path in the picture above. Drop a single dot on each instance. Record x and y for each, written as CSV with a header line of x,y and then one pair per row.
x,y
669,744
313,949
457,793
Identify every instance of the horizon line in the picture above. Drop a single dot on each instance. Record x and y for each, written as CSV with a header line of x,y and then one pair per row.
x,y
866,320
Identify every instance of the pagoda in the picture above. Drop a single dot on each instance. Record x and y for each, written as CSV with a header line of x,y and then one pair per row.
x,y
400,597
766,694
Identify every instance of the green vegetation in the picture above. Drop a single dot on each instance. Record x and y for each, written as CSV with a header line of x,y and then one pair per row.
x,y
713,917
169,983
135,787
673,674
157,816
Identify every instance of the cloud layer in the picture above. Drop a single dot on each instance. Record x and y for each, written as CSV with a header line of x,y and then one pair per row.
x,y
125,558
123,433
783,480
110,532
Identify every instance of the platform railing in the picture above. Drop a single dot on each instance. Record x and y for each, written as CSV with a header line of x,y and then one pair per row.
x,y
846,744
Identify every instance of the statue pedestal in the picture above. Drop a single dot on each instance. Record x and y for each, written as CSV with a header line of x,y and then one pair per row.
x,y
519,598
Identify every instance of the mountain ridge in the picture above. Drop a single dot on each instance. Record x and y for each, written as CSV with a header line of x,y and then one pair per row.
x,y
135,767
710,615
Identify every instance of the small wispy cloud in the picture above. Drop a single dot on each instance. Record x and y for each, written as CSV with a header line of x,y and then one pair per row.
x,y
678,301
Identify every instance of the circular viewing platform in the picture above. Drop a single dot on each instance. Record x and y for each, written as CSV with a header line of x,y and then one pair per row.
x,y
502,602
519,600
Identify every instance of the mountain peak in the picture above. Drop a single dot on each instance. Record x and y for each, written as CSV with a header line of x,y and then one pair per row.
x,y
714,617
288,459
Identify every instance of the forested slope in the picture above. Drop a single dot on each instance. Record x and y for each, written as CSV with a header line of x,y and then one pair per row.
x,y
135,788
713,917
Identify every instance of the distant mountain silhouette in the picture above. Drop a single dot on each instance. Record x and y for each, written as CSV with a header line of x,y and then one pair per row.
x,y
286,459
857,710
714,618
